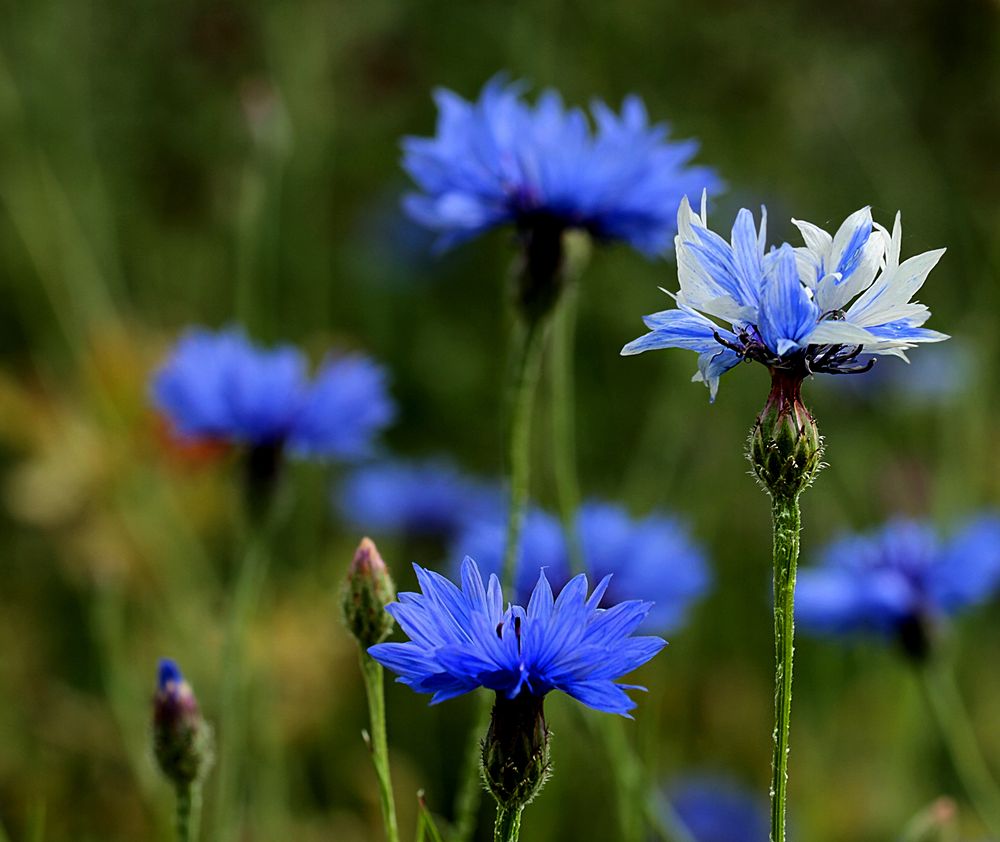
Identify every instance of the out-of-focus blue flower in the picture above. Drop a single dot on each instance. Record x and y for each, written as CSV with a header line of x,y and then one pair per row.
x,y
431,497
809,309
219,385
543,547
715,809
501,160
651,557
461,639
939,379
901,574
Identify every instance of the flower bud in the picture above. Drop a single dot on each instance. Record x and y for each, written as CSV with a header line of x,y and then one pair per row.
x,y
516,750
182,740
785,446
367,590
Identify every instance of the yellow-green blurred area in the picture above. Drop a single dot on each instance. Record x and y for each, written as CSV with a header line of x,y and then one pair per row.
x,y
169,163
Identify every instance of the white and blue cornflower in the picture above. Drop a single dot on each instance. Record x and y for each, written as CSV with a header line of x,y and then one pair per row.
x,y
218,385
815,308
500,160
899,580
461,639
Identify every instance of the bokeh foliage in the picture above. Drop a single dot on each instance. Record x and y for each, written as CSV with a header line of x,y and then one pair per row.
x,y
212,161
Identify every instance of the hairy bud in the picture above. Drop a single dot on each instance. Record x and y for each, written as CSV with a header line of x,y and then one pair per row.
x,y
182,740
367,590
785,445
516,750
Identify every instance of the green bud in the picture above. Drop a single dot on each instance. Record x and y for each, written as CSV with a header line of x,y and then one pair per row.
x,y
516,750
785,446
367,590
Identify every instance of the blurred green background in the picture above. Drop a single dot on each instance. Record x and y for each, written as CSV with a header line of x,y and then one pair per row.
x,y
166,163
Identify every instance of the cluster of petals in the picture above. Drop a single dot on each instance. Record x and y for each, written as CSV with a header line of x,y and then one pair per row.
x,y
816,308
902,573
218,385
501,160
464,638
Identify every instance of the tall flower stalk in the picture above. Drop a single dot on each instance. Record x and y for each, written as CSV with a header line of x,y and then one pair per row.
x,y
831,306
546,171
182,743
367,590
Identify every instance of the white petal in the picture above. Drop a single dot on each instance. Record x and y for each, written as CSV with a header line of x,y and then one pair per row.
x,y
831,332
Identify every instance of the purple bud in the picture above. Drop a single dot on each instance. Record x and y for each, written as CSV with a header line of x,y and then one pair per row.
x,y
181,737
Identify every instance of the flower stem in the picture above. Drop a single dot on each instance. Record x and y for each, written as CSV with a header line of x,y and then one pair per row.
x,y
508,824
564,422
471,787
375,689
945,701
233,702
787,526
527,357
628,780
188,811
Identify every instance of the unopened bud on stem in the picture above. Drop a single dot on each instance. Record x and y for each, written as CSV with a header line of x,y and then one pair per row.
x,y
182,740
516,750
785,446
367,590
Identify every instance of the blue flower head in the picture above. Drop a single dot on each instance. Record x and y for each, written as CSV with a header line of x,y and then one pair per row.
x,y
896,579
652,557
431,497
501,160
815,308
168,673
461,639
219,385
714,809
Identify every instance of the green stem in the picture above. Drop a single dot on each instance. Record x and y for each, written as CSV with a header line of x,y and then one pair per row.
x,y
508,824
375,688
787,526
627,779
188,811
564,422
233,696
527,358
945,701
471,787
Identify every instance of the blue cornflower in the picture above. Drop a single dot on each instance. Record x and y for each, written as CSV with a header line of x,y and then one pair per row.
x,y
896,579
430,497
652,557
461,639
542,547
219,385
810,309
500,160
714,809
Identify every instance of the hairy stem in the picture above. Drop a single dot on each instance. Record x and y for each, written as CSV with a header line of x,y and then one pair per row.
x,y
375,689
945,701
787,526
508,824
